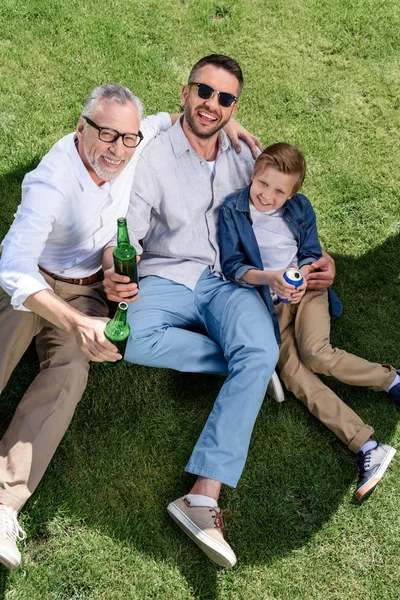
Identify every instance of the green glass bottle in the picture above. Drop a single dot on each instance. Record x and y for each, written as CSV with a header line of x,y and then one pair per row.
x,y
117,331
125,254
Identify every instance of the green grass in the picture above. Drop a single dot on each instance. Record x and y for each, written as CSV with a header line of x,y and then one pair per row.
x,y
324,76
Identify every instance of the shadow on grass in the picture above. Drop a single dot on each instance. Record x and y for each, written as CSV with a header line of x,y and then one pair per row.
x,y
122,460
3,582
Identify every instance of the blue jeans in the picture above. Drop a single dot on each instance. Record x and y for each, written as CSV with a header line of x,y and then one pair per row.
x,y
240,344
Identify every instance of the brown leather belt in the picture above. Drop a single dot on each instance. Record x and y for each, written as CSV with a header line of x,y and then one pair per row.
x,y
85,281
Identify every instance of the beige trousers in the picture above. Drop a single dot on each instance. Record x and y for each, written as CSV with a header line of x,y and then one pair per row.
x,y
306,350
45,411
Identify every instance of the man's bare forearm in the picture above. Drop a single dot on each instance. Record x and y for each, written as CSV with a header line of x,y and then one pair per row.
x,y
54,309
87,331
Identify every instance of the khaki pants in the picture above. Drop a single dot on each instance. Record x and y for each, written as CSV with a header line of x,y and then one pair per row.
x,y
306,350
45,411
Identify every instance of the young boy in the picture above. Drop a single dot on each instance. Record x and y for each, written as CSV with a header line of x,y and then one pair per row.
x,y
264,229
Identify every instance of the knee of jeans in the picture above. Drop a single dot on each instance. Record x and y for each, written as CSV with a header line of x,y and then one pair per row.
x,y
142,346
317,359
265,356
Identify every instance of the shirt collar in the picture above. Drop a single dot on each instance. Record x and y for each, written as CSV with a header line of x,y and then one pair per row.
x,y
243,202
180,142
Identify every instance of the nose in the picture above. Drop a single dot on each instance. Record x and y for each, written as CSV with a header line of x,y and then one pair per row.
x,y
117,146
212,102
267,195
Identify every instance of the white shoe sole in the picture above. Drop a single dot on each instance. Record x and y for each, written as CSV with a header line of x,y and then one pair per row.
x,y
275,389
10,560
216,552
369,487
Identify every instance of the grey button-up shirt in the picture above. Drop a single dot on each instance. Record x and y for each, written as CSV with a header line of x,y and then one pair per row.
x,y
175,204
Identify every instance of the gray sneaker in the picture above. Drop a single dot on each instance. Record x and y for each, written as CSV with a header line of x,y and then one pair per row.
x,y
10,532
371,467
204,525
275,389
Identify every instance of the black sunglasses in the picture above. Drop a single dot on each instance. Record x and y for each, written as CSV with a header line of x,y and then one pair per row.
x,y
130,140
206,92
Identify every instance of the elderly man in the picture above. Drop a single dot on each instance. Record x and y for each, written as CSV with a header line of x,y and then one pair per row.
x,y
50,287
180,183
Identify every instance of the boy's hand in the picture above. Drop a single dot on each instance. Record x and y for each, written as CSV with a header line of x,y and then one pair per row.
x,y
279,286
299,293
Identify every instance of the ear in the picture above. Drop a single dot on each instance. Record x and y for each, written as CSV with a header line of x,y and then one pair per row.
x,y
184,94
235,107
80,127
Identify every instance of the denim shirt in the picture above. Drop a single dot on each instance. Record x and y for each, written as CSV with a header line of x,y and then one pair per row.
x,y
240,252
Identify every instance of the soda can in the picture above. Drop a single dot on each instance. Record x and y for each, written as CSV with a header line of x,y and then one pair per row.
x,y
293,276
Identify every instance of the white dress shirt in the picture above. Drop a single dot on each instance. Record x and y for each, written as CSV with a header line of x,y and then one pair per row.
x,y
65,220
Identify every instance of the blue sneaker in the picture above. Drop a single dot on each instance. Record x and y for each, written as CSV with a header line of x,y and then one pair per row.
x,y
394,393
371,467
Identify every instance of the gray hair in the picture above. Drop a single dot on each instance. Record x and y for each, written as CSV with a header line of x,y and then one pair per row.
x,y
111,92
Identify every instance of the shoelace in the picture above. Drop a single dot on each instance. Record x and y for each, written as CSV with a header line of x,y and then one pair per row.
x,y
9,526
219,516
363,462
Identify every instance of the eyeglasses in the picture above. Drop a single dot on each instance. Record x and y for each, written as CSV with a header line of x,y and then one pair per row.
x,y
206,92
130,140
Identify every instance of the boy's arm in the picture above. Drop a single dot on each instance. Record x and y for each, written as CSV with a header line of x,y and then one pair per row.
x,y
233,259
309,248
322,266
274,279
235,266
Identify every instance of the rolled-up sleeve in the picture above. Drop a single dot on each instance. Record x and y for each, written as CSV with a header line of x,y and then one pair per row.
x,y
309,248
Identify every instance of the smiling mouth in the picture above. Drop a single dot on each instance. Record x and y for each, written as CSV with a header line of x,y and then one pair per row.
x,y
112,162
207,116
263,202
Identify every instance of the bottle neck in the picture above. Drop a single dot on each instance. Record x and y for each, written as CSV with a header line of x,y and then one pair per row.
x,y
123,235
121,314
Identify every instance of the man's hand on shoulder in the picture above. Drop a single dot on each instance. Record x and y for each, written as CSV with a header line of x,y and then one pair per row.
x,y
236,132
322,273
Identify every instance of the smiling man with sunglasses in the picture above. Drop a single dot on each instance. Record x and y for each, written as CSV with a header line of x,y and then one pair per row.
x,y
188,317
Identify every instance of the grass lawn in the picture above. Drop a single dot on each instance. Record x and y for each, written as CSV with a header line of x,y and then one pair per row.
x,y
324,76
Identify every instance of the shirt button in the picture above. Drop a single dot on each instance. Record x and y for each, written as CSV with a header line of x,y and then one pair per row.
x,y
209,214
202,163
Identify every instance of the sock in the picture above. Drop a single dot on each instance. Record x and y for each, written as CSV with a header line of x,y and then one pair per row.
x,y
395,382
199,500
369,445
